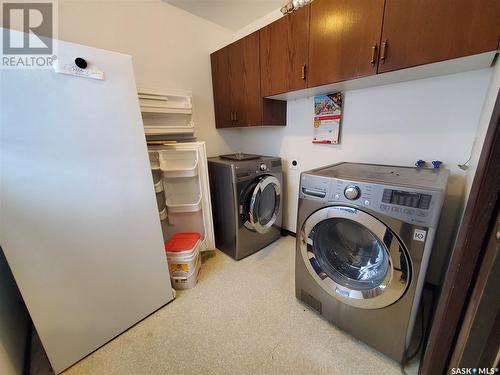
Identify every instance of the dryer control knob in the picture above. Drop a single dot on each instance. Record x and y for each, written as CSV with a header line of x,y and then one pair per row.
x,y
263,167
352,192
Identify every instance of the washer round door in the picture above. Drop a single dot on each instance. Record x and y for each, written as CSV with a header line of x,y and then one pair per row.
x,y
262,204
355,257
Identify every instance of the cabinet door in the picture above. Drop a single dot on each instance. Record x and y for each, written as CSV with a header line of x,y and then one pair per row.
x,y
244,78
221,88
284,53
344,38
426,31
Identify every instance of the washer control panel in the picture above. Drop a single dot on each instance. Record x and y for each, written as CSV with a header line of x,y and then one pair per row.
x,y
411,205
407,199
251,168
350,191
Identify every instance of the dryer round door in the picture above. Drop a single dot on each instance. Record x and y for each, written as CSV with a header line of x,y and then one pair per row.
x,y
355,257
263,204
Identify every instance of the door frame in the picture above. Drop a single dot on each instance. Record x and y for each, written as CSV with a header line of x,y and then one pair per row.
x,y
468,253
479,338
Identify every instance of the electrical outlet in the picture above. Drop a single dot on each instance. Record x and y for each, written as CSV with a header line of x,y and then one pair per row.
x,y
293,164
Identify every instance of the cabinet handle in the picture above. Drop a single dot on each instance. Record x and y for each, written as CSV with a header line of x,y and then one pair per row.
x,y
383,51
236,116
374,54
231,116
303,75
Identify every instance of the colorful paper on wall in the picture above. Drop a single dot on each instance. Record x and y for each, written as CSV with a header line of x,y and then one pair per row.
x,y
327,118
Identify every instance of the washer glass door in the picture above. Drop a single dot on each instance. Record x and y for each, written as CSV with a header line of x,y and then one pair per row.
x,y
355,257
263,204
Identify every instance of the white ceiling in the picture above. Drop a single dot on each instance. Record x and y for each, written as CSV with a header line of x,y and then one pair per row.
x,y
231,14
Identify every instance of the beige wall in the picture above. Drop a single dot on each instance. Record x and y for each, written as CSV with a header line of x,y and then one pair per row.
x,y
170,49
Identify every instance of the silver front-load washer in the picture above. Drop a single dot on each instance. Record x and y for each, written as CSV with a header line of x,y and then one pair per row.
x,y
364,237
247,202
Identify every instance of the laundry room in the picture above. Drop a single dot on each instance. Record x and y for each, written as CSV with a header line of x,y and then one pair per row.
x,y
249,187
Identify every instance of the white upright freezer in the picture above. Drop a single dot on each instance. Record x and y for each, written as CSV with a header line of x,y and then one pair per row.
x,y
79,222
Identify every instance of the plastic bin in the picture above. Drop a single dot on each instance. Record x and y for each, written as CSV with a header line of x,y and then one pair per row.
x,y
188,221
168,123
178,163
184,260
182,194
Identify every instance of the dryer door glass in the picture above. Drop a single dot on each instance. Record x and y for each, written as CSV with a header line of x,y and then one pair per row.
x,y
265,204
355,257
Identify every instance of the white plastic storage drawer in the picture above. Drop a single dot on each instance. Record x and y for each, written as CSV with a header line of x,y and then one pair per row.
x,y
152,101
158,124
182,194
176,163
166,112
188,221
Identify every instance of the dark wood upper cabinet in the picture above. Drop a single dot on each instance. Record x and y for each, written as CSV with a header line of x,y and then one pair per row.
x,y
420,32
284,48
221,88
236,84
344,39
244,77
331,41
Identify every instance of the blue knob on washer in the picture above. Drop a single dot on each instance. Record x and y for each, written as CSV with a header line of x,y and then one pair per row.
x,y
436,164
420,163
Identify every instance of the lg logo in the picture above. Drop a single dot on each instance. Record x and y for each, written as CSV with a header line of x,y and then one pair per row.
x,y
419,235
35,20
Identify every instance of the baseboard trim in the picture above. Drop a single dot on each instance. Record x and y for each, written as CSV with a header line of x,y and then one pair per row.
x,y
286,232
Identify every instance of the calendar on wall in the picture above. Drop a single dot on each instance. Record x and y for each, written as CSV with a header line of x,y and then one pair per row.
x,y
327,118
